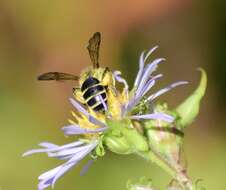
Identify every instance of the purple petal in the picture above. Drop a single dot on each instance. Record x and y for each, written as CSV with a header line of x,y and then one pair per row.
x,y
51,149
166,89
48,145
150,52
145,89
141,68
75,130
86,167
73,161
103,102
82,110
66,152
46,178
50,173
121,80
44,184
62,171
160,116
142,60
149,69
75,155
148,85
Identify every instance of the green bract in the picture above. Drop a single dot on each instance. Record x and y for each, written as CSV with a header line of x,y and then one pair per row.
x,y
189,109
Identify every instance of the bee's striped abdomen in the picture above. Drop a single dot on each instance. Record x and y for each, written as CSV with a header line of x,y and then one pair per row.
x,y
94,94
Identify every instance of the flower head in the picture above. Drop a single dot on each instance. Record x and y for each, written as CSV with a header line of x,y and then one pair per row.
x,y
124,107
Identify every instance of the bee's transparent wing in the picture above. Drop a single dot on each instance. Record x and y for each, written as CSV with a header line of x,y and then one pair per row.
x,y
93,48
57,76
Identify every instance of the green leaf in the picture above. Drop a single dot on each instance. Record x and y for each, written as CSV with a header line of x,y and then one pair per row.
x,y
189,109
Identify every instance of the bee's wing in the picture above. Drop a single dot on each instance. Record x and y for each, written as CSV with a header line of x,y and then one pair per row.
x,y
93,48
57,76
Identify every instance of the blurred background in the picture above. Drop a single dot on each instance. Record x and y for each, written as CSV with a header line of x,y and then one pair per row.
x,y
37,36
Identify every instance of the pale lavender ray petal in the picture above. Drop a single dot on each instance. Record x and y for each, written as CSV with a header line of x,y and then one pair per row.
x,y
86,151
73,161
121,80
62,171
141,68
166,89
75,130
82,110
46,178
64,157
33,151
70,145
150,84
124,109
44,184
66,152
48,145
150,52
71,151
103,102
149,69
56,148
96,122
50,173
86,167
156,116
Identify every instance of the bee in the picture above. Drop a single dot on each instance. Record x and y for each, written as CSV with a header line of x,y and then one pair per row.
x,y
94,82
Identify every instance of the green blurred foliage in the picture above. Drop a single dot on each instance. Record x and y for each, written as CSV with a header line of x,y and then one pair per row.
x,y
39,36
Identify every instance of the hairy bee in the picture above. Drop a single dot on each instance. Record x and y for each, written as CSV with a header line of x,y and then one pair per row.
x,y
93,82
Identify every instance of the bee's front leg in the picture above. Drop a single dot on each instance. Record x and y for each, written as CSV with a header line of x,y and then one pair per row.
x,y
107,78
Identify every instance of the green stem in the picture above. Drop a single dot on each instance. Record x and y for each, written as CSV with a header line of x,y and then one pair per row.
x,y
157,160
176,172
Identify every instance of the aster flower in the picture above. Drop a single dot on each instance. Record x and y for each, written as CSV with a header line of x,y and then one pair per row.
x,y
93,125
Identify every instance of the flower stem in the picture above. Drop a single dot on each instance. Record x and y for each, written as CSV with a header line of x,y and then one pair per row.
x,y
177,172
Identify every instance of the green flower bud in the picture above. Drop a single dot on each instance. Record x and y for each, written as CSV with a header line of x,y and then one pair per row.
x,y
118,145
122,138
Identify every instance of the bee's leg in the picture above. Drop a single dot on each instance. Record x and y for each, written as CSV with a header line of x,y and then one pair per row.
x,y
78,95
107,78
